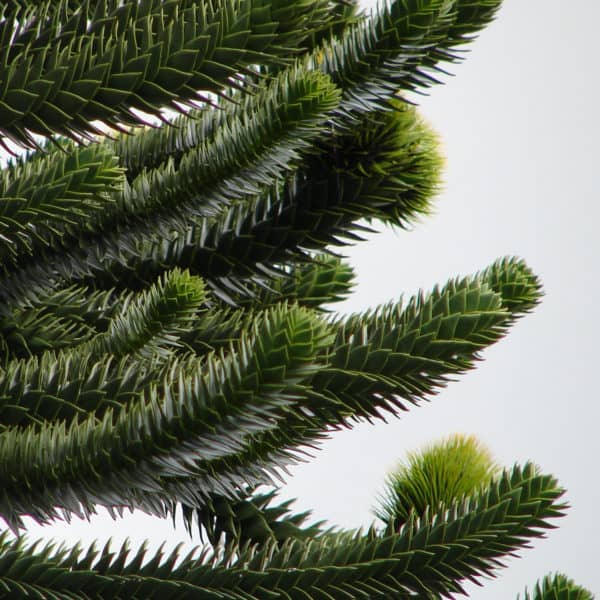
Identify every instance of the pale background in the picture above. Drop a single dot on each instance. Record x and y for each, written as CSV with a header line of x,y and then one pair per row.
x,y
520,130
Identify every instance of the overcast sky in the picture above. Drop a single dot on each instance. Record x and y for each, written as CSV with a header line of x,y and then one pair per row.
x,y
520,130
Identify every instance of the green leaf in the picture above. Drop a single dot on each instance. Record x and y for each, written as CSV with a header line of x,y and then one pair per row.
x,y
432,556
52,193
558,586
436,477
149,451
386,170
252,518
105,45
383,361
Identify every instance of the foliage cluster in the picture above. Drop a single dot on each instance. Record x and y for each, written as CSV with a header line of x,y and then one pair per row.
x,y
165,341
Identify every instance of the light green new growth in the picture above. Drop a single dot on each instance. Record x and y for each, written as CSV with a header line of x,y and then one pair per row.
x,y
436,478
558,587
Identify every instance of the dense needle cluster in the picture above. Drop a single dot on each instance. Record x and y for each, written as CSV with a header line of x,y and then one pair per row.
x,y
166,281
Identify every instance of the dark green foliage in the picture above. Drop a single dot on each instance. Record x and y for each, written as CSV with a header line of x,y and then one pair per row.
x,y
45,195
250,519
143,454
428,556
166,283
111,57
388,171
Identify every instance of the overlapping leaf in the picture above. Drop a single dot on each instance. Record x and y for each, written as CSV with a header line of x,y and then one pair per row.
x,y
388,169
430,557
44,196
200,409
63,318
558,587
109,59
106,369
382,362
163,337
256,145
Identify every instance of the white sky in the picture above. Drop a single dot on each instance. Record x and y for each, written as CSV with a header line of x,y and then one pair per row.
x,y
520,128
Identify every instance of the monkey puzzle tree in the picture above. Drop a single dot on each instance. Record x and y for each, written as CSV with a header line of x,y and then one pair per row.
x,y
164,336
